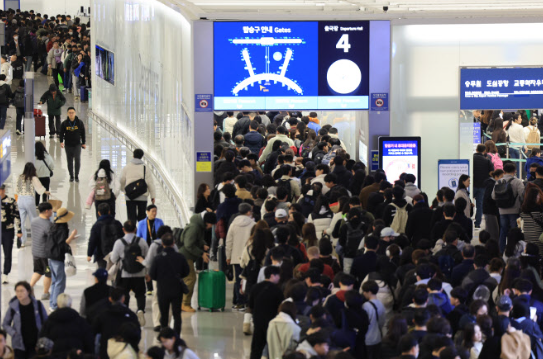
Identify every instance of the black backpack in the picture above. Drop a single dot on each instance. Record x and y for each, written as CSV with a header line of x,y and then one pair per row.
x,y
19,99
446,264
503,191
131,252
109,233
3,94
177,234
354,236
287,186
319,156
215,197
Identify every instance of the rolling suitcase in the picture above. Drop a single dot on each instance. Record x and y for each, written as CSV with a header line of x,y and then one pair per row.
x,y
83,94
39,126
211,290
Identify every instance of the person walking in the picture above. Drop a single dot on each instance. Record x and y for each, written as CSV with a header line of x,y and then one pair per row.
x,y
195,247
54,100
19,103
23,321
104,233
54,59
18,72
40,228
133,272
5,96
133,172
482,167
56,246
148,229
27,184
11,223
98,292
44,168
106,181
72,138
168,270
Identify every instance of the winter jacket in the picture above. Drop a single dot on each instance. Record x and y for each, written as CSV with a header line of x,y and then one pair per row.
x,y
254,141
108,322
133,172
321,221
58,234
343,176
120,350
418,227
518,192
440,300
222,168
307,349
41,169
168,269
54,104
269,146
335,304
365,193
283,335
94,294
489,204
79,69
482,166
68,331
95,240
463,193
117,254
11,219
72,133
18,70
320,179
54,57
390,210
68,61
143,230
241,127
193,238
479,277
12,321
8,93
461,271
236,239
531,160
229,123
515,345
411,190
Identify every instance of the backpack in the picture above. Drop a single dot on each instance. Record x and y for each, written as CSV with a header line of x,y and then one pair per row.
x,y
354,236
109,233
102,192
400,219
131,252
215,197
319,156
250,272
3,94
446,264
503,191
177,237
496,161
285,184
53,249
19,99
533,137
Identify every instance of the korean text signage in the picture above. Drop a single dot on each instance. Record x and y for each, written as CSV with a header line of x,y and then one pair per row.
x,y
496,89
379,102
449,172
203,103
203,161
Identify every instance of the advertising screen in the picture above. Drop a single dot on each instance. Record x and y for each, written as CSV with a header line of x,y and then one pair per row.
x,y
105,65
501,89
399,155
320,65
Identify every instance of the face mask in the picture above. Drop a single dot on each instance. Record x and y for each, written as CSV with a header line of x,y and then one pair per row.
x,y
15,37
70,33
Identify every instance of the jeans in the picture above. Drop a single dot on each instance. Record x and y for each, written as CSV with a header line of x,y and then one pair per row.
x,y
514,153
507,221
67,80
73,153
28,64
135,210
27,209
3,116
479,195
7,245
19,121
45,181
44,64
164,303
137,285
238,299
54,120
58,281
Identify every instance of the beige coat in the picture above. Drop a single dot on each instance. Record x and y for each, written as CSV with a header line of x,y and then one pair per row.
x,y
133,172
237,237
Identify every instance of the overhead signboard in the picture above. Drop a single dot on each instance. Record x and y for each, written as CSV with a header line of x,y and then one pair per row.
x,y
315,65
501,89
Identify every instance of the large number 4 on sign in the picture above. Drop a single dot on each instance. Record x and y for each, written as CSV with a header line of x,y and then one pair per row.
x,y
343,43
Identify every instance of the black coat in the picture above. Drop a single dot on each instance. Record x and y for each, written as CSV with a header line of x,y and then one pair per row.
x,y
241,127
374,200
168,269
390,210
482,166
461,271
92,295
264,301
108,323
223,168
343,176
418,223
68,331
489,205
364,265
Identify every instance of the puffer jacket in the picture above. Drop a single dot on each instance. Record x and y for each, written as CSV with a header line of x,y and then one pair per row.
x,y
68,330
12,321
236,239
120,350
321,221
411,190
283,334
193,238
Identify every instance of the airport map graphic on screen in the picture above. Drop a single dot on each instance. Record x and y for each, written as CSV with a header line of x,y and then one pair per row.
x,y
291,65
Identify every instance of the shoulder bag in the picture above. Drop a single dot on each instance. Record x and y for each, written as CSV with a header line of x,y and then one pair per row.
x,y
46,165
137,188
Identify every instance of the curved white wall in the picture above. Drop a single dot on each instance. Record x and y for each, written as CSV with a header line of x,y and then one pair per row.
x,y
153,90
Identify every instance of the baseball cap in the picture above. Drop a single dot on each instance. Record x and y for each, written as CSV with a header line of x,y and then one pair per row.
x,y
280,213
388,232
101,274
504,303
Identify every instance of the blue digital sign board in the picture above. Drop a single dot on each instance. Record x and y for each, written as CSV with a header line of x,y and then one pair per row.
x,y
501,89
399,155
291,65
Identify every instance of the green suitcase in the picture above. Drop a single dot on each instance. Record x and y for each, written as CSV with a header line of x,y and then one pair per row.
x,y
211,290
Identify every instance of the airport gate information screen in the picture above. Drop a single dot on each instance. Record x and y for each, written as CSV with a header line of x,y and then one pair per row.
x,y
320,65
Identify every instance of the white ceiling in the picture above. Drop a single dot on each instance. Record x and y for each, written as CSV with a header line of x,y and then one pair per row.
x,y
356,9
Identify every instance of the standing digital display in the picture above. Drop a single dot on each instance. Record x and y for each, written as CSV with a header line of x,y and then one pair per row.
x,y
399,155
291,65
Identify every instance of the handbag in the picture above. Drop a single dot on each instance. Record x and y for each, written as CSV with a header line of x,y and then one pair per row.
x,y
69,264
46,165
137,188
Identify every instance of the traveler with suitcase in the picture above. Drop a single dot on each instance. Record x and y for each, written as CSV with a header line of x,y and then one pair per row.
x,y
72,138
5,95
194,247
55,100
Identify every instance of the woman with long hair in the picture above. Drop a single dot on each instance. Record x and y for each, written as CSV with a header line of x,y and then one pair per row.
x,y
490,208
44,168
532,215
309,143
463,192
28,184
473,339
515,244
203,202
397,327
321,216
499,136
510,274
309,235
104,174
175,347
357,182
493,155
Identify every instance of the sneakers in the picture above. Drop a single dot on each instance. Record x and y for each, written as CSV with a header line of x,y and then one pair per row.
x,y
247,329
149,293
141,317
71,179
52,136
45,296
188,309
18,132
77,179
238,308
4,279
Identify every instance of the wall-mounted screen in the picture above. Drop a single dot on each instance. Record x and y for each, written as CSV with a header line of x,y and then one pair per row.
x,y
318,65
501,89
105,64
399,155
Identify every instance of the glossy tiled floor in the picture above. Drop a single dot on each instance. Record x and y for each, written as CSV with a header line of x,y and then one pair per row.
x,y
210,335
